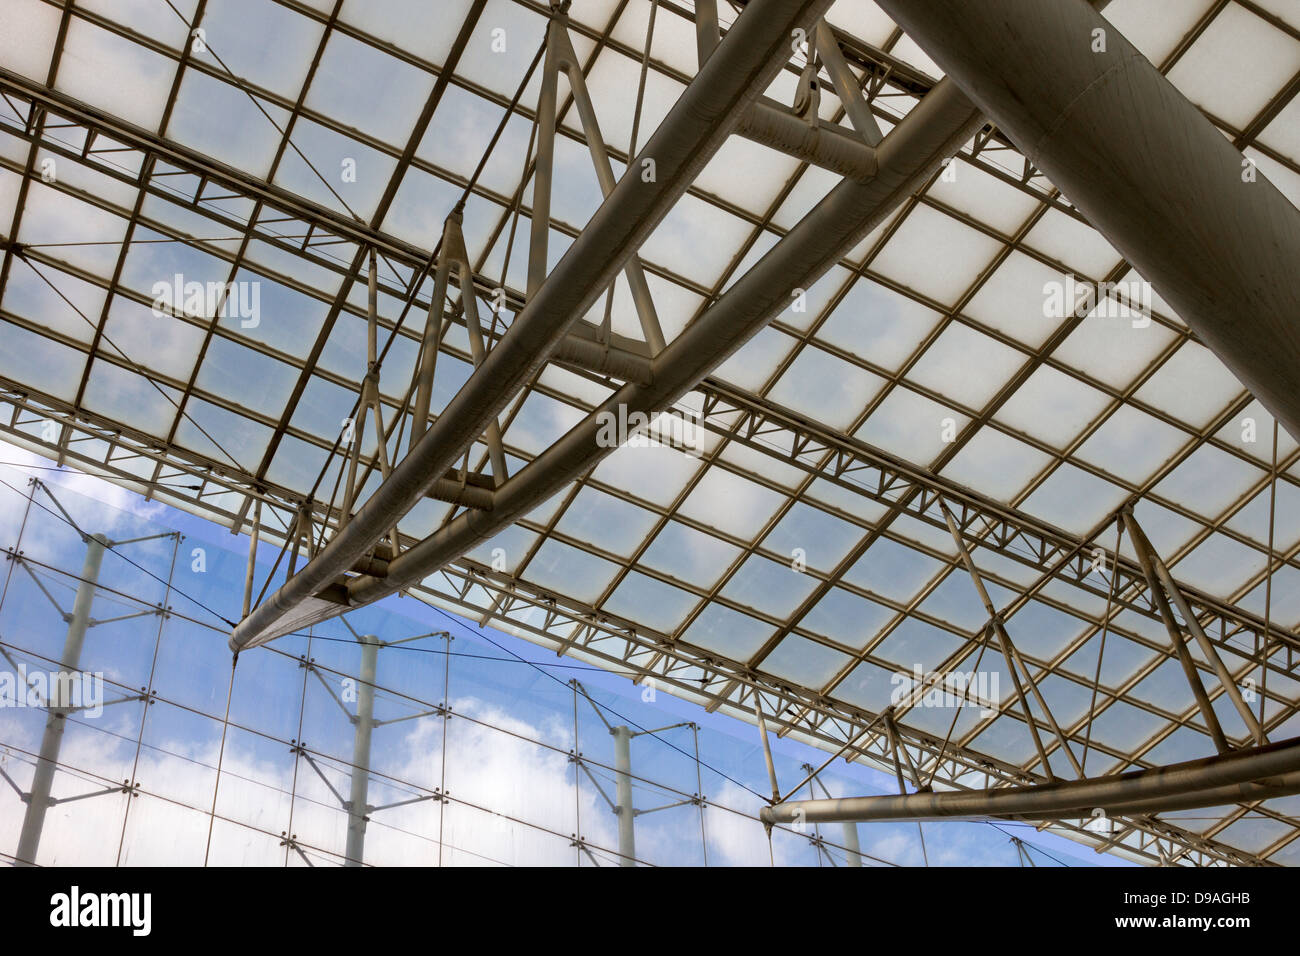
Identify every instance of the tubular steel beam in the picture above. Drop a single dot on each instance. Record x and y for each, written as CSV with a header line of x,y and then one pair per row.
x,y
693,130
811,139
1170,192
1261,773
846,86
930,133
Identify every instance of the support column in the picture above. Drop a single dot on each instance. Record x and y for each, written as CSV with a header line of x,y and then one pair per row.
x,y
853,856
365,725
38,800
626,814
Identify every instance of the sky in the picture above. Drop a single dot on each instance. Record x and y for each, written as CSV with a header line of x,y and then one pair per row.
x,y
507,750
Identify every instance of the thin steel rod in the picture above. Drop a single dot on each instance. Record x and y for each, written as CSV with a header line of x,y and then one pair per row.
x,y
1141,546
694,129
1202,640
1241,776
253,536
767,747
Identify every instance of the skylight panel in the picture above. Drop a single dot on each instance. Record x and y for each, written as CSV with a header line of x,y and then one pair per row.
x,y
936,255
1236,66
334,170
956,602
28,31
569,571
323,409
502,45
732,504
696,240
912,426
650,602
1077,245
51,367
847,618
825,388
727,632
46,304
804,662
1043,632
368,90
540,423
1253,519
123,395
606,522
893,571
1018,299
862,19
268,45
142,78
654,473
162,343
811,188
1209,481
461,130
1052,407
426,30
81,235
614,83
995,464
689,555
878,324
1131,445
1220,566
221,434
756,361
1074,499
813,537
1123,727
971,190
768,587
1156,27
247,378
1114,350
914,642
515,543
218,118
966,366
421,207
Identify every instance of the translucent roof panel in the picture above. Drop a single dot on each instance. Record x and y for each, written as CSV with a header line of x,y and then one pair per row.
x,y
187,213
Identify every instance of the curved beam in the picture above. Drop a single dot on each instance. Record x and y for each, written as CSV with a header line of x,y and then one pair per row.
x,y
1245,775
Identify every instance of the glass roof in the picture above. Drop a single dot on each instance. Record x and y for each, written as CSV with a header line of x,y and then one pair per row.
x,y
267,144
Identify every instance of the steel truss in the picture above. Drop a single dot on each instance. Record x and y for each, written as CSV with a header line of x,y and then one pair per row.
x,y
752,421
690,672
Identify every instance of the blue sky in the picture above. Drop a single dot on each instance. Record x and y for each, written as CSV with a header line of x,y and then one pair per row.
x,y
508,750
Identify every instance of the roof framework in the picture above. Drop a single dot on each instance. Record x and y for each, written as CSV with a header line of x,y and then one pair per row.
x,y
1048,441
